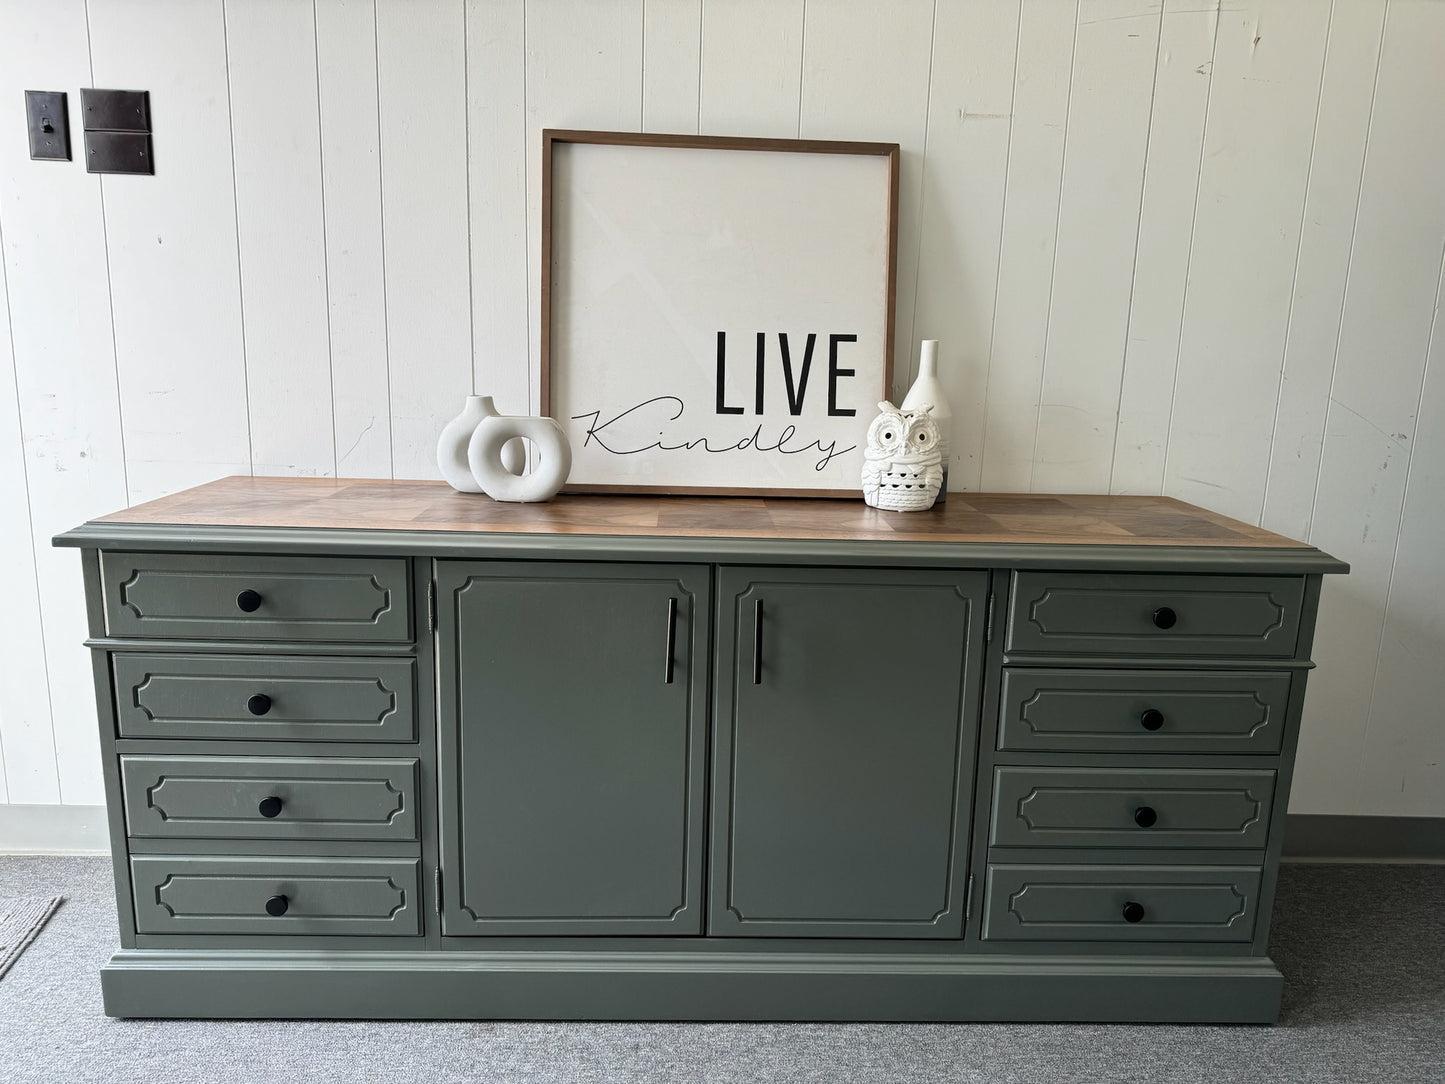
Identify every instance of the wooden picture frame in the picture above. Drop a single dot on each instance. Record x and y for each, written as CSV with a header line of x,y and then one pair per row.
x,y
717,313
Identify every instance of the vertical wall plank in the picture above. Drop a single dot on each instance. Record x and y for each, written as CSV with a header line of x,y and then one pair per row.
x,y
1327,235
280,225
875,93
65,387
497,153
1370,427
1026,253
1405,764
355,271
752,57
1161,266
584,59
1262,104
173,258
969,105
27,741
671,63
421,78
1108,129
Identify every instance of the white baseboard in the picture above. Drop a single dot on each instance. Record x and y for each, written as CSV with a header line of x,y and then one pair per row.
x,y
53,829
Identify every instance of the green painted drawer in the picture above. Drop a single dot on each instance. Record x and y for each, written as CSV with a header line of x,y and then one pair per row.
x,y
1088,903
300,698
1128,614
190,596
366,896
1143,711
1165,807
176,797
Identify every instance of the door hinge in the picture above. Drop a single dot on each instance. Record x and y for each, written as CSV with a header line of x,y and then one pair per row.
x,y
988,621
431,606
438,888
968,898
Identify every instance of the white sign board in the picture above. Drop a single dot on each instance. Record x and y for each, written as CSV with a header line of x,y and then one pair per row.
x,y
719,312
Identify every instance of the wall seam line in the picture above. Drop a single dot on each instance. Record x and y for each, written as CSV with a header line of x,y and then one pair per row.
x,y
802,65
526,228
1054,257
1349,274
1294,281
467,144
998,255
1138,232
325,243
381,220
922,209
109,287
1404,503
236,222
29,518
1189,259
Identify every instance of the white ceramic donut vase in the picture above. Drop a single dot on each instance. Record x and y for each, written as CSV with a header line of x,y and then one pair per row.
x,y
554,458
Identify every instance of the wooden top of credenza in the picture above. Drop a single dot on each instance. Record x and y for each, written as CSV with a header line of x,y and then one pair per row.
x,y
996,518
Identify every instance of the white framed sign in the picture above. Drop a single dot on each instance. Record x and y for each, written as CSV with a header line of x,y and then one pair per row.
x,y
717,313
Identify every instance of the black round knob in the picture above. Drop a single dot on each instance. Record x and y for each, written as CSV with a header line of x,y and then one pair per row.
x,y
276,907
249,601
1164,618
1133,912
1151,719
1145,817
270,806
258,704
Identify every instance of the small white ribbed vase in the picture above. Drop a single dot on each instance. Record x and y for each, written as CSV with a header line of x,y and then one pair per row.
x,y
928,391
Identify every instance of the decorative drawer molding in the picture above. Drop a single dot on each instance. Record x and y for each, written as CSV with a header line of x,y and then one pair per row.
x,y
188,596
1143,711
1120,903
174,797
266,698
1133,614
217,895
1165,807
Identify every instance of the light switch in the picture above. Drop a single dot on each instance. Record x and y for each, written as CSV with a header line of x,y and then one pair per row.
x,y
48,121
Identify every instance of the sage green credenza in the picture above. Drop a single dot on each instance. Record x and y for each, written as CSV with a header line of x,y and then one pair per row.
x,y
379,749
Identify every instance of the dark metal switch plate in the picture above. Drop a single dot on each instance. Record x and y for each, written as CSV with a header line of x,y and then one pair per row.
x,y
49,123
118,152
115,110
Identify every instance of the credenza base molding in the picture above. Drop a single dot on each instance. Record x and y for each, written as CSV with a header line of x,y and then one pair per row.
x,y
688,986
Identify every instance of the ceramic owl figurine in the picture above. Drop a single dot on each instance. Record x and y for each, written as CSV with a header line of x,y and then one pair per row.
x,y
902,464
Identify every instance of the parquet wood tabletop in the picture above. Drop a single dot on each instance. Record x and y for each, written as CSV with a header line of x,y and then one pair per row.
x,y
379,504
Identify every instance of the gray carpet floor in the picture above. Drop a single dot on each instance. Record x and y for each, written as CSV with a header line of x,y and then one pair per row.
x,y
1362,949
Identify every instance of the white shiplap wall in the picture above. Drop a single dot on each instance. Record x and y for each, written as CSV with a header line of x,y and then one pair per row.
x,y
1181,247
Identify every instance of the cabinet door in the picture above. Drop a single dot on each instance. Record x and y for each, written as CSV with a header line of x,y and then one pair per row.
x,y
573,699
846,725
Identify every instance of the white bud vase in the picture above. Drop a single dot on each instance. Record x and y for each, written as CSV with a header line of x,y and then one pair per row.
x,y
457,434
928,391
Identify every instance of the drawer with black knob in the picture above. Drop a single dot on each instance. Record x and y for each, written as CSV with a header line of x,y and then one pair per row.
x,y
1140,807
1143,711
191,596
275,895
290,798
1120,903
264,697
1136,614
